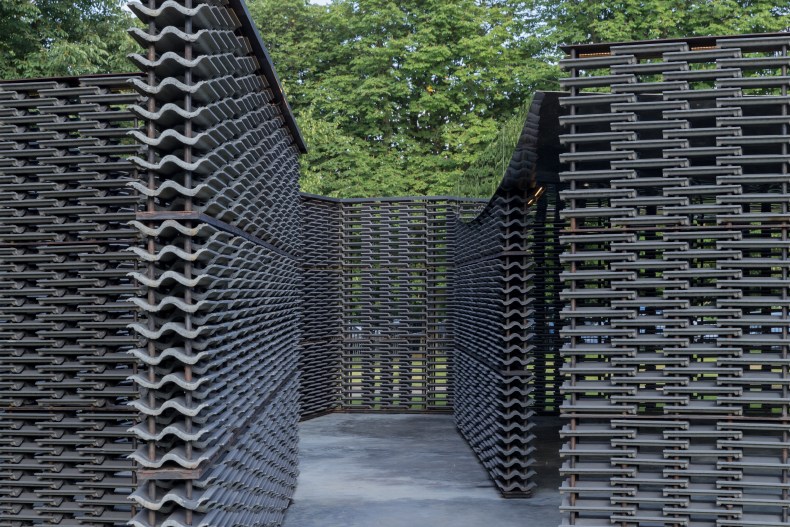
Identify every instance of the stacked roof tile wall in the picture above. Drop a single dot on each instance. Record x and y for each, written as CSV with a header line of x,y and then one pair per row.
x,y
218,374
677,283
164,286
66,301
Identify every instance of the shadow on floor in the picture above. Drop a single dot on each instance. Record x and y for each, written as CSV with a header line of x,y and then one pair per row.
x,y
363,470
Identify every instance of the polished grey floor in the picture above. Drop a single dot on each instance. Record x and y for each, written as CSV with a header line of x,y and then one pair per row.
x,y
363,470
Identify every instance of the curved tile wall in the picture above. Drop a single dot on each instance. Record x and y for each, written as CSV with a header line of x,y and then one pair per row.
x,y
503,318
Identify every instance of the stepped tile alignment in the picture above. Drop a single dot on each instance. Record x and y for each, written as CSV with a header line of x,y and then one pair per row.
x,y
676,283
377,330
66,301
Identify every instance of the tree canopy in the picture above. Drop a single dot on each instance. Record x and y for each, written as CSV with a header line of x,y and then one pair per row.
x,y
621,20
419,96
406,92
63,37
394,97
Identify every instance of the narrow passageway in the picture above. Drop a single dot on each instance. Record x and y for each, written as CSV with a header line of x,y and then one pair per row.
x,y
368,470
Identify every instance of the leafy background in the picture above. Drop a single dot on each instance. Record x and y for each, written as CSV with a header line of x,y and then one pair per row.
x,y
407,97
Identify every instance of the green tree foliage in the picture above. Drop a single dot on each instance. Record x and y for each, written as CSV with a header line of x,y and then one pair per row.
x,y
393,96
413,88
424,96
63,37
573,21
341,165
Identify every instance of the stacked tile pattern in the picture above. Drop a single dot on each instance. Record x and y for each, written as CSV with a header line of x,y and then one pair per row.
x,y
218,371
676,284
396,291
322,306
502,319
546,250
65,301
153,286
154,269
409,309
377,288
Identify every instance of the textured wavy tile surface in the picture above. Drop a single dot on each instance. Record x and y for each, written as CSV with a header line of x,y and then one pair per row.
x,y
377,288
217,377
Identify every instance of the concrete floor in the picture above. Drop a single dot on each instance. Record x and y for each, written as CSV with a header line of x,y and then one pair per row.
x,y
363,470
